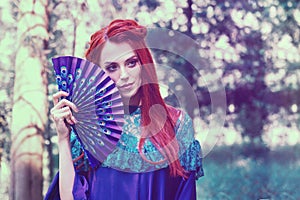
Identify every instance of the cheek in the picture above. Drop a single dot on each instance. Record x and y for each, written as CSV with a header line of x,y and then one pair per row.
x,y
114,76
136,73
139,80
139,77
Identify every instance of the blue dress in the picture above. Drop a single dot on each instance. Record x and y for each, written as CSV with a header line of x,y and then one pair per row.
x,y
126,175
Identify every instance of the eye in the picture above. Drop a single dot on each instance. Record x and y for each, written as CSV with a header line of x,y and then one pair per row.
x,y
111,67
132,62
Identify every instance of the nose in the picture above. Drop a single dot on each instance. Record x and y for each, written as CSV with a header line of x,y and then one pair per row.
x,y
123,73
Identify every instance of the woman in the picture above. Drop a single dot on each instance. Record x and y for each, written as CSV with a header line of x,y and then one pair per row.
x,y
157,156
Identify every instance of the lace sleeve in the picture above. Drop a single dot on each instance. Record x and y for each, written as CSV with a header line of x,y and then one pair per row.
x,y
190,153
80,159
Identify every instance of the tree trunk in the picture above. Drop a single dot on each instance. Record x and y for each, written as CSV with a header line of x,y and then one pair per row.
x,y
30,107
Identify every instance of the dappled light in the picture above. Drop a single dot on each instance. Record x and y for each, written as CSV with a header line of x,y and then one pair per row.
x,y
248,49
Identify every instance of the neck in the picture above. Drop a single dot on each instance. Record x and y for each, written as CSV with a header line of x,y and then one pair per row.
x,y
132,103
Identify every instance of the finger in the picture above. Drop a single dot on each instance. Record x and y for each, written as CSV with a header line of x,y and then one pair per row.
x,y
60,112
64,102
60,116
67,114
65,109
58,95
73,119
69,121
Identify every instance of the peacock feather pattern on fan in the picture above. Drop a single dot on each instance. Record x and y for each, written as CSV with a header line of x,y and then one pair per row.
x,y
100,115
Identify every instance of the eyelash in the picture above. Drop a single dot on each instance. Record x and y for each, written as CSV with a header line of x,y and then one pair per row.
x,y
133,61
113,67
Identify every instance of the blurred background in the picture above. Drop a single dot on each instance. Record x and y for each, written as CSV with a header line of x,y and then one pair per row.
x,y
250,47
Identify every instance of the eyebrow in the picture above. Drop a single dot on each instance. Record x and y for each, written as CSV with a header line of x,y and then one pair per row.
x,y
128,59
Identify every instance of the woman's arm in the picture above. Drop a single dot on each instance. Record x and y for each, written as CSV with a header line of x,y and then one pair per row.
x,y
66,170
62,116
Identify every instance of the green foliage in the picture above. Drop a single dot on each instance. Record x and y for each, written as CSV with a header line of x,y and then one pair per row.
x,y
235,177
7,54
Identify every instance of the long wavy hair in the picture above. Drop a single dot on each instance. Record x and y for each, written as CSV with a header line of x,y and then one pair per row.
x,y
157,125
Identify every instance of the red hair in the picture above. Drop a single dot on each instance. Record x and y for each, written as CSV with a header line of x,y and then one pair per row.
x,y
130,31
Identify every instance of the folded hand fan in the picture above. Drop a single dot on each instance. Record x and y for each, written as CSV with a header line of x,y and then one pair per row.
x,y
100,115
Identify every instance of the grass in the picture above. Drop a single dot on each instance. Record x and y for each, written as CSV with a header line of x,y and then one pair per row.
x,y
233,176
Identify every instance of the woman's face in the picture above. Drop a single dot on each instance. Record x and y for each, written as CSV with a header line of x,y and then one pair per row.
x,y
121,63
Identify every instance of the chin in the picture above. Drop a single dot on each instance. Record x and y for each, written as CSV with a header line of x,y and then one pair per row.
x,y
127,95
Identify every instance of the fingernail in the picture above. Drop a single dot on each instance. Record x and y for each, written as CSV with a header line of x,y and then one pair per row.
x,y
74,120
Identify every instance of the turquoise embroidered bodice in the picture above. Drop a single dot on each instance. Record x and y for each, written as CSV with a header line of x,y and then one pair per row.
x,y
126,157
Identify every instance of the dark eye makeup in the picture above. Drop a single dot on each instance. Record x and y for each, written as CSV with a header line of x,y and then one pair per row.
x,y
111,67
130,62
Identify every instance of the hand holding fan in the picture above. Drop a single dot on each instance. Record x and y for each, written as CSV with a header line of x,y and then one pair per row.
x,y
100,115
